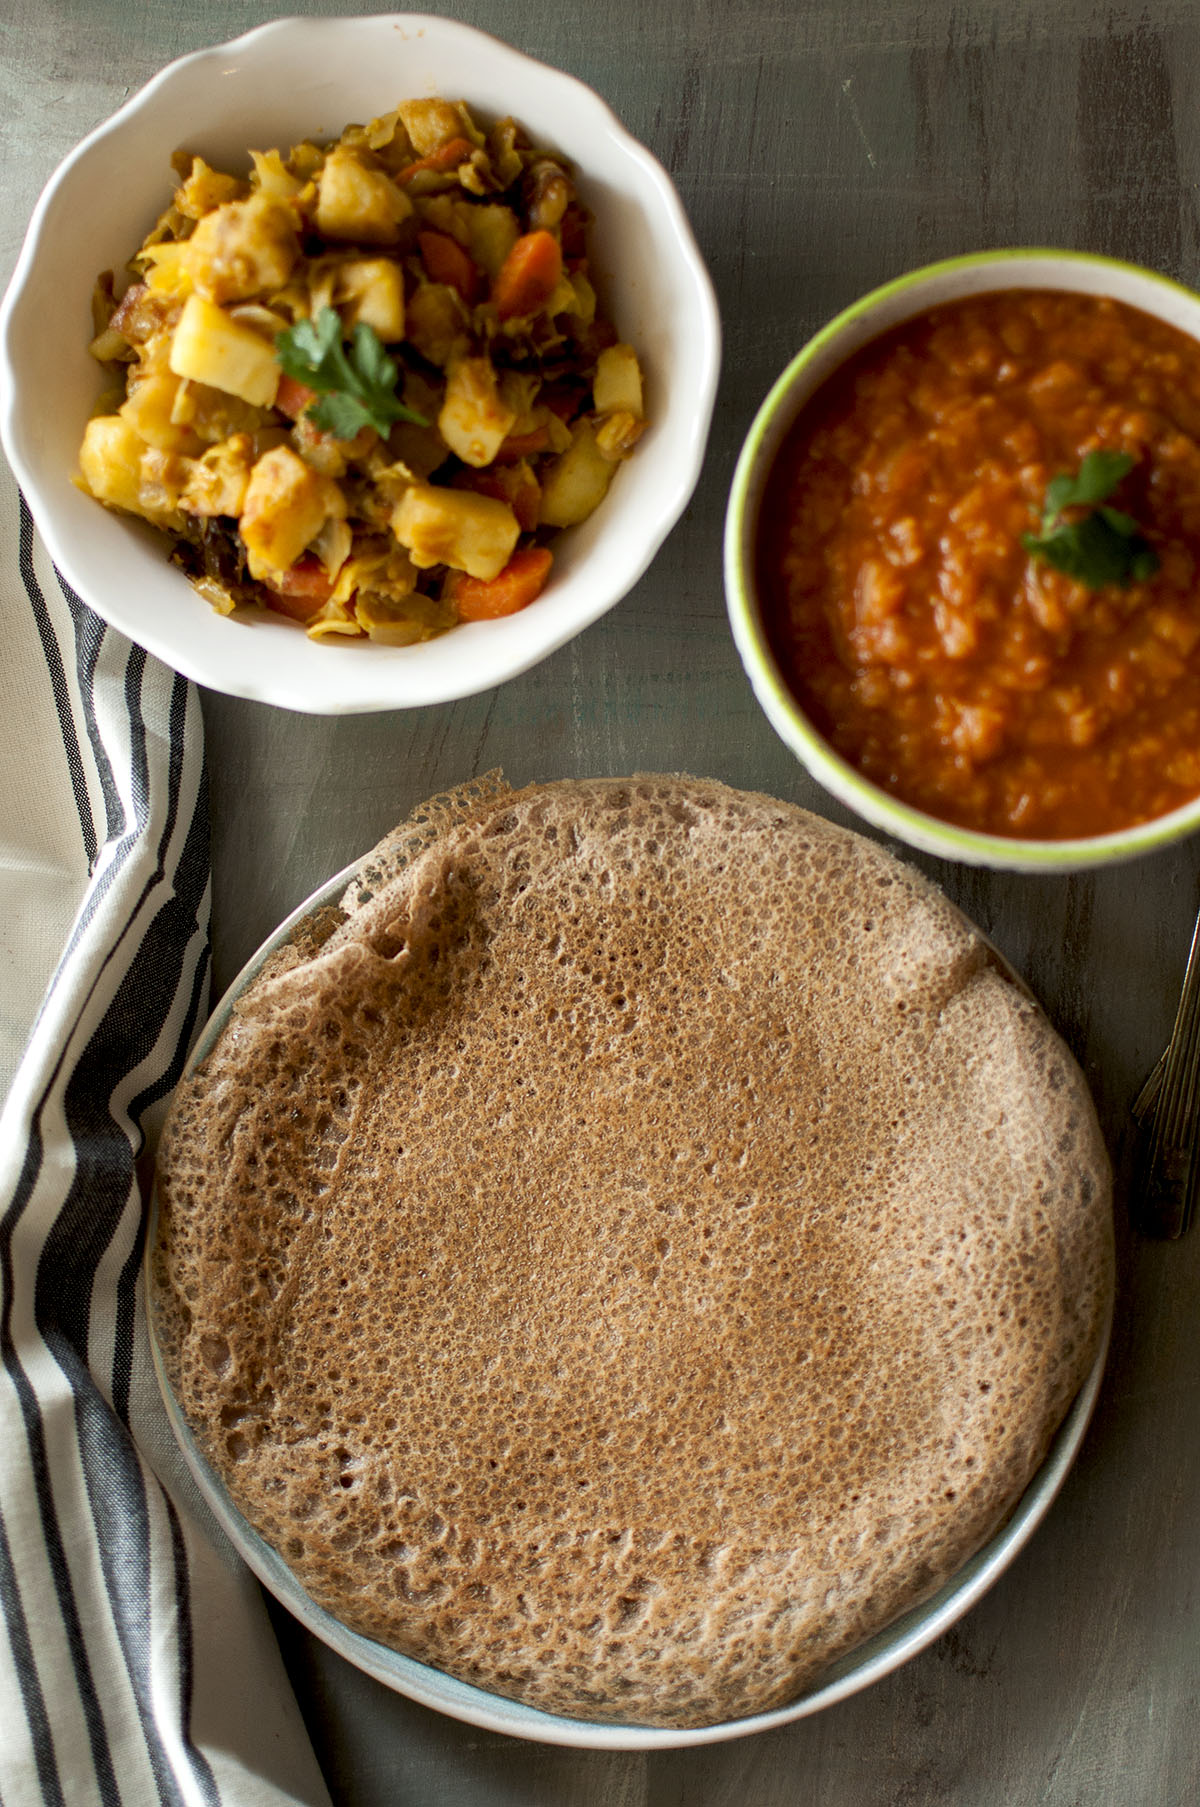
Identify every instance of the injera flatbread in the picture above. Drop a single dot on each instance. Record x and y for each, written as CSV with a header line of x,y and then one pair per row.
x,y
648,1245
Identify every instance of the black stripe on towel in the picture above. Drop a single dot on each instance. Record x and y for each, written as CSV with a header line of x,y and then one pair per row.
x,y
183,1613
117,1494
128,1032
123,836
102,1192
166,941
40,1473
96,1203
90,633
31,1690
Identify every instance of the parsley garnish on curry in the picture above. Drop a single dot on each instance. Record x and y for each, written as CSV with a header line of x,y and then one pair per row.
x,y
367,385
1099,544
978,564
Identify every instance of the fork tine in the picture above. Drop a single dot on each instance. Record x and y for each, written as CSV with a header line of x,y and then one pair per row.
x,y
1151,1086
1179,1070
1168,1182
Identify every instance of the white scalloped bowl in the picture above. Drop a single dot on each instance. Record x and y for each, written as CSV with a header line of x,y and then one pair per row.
x,y
308,77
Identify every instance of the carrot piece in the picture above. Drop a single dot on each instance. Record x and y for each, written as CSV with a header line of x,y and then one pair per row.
x,y
293,397
446,261
522,579
528,276
296,608
301,590
522,445
447,156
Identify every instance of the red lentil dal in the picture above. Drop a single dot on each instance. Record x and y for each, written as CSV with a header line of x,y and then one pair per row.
x,y
929,648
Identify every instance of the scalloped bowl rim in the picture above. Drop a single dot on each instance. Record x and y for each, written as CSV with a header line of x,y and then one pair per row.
x,y
855,326
265,658
869,1662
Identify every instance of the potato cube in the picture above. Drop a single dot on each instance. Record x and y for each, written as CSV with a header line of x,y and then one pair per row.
x,y
475,534
354,202
151,412
430,123
583,304
577,482
286,505
436,322
371,290
618,382
110,462
474,421
209,347
493,231
450,214
243,249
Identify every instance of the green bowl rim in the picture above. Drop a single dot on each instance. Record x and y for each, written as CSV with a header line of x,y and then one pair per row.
x,y
916,827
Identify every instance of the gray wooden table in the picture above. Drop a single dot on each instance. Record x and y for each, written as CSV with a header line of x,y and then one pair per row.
x,y
820,147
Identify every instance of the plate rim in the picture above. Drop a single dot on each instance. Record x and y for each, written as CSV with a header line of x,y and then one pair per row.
x,y
868,1662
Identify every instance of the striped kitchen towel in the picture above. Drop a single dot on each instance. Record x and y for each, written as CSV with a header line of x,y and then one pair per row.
x,y
139,1664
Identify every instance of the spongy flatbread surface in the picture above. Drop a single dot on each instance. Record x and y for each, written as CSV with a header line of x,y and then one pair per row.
x,y
645,1248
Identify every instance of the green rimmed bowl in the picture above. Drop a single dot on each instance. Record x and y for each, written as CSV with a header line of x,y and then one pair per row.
x,y
876,313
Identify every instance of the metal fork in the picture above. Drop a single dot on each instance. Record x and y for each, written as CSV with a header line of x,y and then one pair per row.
x,y
1167,1183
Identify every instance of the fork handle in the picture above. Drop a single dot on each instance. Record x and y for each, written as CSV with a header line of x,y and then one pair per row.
x,y
1166,1184
1168,1144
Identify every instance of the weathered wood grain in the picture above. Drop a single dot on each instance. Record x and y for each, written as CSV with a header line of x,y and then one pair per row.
x,y
821,148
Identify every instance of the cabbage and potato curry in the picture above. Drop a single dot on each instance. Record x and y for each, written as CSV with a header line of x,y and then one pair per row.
x,y
367,384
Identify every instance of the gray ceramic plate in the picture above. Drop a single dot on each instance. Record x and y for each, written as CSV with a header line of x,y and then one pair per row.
x,y
875,1658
